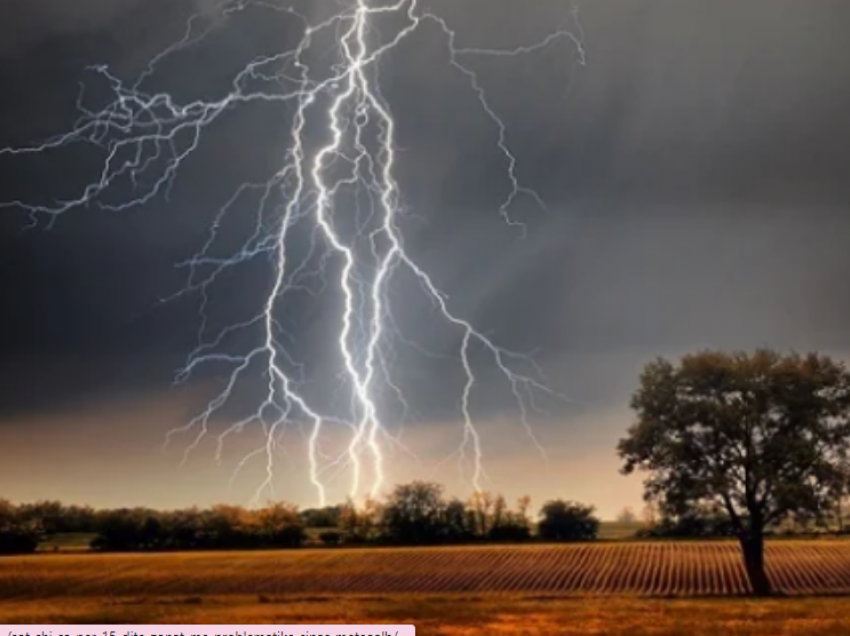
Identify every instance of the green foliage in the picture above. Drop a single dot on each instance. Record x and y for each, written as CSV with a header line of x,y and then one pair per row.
x,y
506,525
701,521
567,521
327,517
55,518
360,524
762,436
415,514
18,535
458,522
276,525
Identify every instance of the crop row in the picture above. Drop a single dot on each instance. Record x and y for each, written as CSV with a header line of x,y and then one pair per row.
x,y
646,569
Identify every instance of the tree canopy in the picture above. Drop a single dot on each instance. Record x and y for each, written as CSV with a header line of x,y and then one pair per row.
x,y
567,521
759,435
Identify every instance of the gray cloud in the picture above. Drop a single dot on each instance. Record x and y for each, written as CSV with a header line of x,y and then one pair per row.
x,y
695,171
26,23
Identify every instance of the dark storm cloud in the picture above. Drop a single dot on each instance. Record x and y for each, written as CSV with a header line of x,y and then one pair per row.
x,y
26,23
695,171
687,101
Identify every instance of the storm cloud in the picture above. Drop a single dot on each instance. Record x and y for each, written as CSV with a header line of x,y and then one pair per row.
x,y
26,24
694,171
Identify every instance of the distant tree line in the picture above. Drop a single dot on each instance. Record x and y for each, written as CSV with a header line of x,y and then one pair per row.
x,y
711,521
413,514
737,444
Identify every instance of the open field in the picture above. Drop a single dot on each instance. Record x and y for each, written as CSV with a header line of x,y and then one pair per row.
x,y
455,591
660,569
67,542
618,530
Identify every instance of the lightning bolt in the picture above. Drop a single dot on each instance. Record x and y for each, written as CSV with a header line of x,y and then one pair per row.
x,y
145,137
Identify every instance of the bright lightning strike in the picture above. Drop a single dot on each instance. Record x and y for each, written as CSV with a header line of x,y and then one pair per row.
x,y
147,136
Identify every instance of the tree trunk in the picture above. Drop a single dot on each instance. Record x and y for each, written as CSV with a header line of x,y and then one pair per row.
x,y
752,546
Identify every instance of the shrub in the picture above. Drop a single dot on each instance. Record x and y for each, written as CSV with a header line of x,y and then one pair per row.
x,y
330,537
567,521
18,541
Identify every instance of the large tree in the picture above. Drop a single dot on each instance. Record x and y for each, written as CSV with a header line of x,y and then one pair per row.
x,y
762,435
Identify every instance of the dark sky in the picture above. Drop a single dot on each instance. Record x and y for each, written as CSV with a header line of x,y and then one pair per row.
x,y
695,176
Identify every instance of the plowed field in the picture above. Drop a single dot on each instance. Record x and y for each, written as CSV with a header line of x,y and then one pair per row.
x,y
642,569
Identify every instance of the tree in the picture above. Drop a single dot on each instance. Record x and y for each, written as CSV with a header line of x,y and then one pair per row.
x,y
79,519
414,512
330,537
842,498
458,522
129,529
359,524
649,515
761,435
701,520
481,507
280,525
48,514
627,516
327,517
508,525
18,535
567,521
185,529
224,526
522,506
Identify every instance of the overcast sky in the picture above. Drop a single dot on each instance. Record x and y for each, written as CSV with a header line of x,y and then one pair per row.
x,y
694,172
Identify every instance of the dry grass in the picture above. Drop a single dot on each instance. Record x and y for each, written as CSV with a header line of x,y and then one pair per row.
x,y
457,615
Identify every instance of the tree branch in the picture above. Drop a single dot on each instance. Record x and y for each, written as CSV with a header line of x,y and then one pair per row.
x,y
733,514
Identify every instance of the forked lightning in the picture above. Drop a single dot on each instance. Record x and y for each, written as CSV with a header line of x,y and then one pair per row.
x,y
145,137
